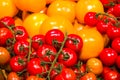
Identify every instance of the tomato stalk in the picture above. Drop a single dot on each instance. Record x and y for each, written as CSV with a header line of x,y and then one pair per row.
x,y
30,44
56,57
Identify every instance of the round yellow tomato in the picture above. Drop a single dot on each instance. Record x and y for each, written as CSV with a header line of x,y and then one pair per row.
x,y
94,65
93,43
32,23
30,5
7,8
56,22
64,8
84,6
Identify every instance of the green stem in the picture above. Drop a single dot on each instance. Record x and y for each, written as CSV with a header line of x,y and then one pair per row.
x,y
56,57
30,44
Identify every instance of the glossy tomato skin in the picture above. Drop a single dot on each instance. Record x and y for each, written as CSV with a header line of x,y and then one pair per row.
x,y
34,66
111,75
113,32
68,57
4,56
13,76
18,63
116,10
105,70
21,47
54,37
90,18
118,61
108,56
116,45
20,33
5,34
38,40
66,74
89,76
74,42
108,3
34,78
46,52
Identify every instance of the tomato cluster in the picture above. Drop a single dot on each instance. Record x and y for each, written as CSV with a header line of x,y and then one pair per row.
x,y
60,40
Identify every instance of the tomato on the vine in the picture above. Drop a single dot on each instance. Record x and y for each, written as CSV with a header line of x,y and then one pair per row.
x,y
13,76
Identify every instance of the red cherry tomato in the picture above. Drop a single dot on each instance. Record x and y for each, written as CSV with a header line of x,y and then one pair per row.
x,y
105,70
68,57
18,63
5,36
108,56
66,74
46,52
54,37
116,10
118,61
90,19
20,33
34,67
38,40
74,42
21,48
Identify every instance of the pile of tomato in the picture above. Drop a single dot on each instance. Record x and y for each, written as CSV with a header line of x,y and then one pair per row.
x,y
60,40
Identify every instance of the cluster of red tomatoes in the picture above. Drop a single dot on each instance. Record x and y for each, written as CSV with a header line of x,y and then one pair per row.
x,y
59,55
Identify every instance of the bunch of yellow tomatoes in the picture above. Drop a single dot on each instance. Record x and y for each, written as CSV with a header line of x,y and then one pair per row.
x,y
40,16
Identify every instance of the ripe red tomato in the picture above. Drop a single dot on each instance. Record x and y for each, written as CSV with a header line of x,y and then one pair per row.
x,y
90,19
108,3
68,57
34,78
18,63
54,37
105,70
46,52
116,10
108,56
20,33
118,61
74,42
21,47
34,66
66,74
116,45
38,40
5,34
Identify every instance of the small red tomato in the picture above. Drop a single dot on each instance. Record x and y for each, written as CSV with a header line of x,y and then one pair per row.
x,y
21,47
113,32
13,76
118,61
54,37
7,20
67,57
116,10
90,19
34,66
38,40
66,74
108,3
108,56
105,70
110,10
116,45
18,63
74,42
5,36
20,33
111,75
46,52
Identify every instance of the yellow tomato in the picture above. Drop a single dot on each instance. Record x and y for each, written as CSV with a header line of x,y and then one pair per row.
x,y
93,43
30,5
94,65
18,21
57,22
84,6
33,22
61,7
7,8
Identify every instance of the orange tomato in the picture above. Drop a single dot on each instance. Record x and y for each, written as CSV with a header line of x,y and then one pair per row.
x,y
18,21
94,65
93,43
89,76
4,56
7,8
84,6
64,8
56,22
32,23
31,5
13,76
34,78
